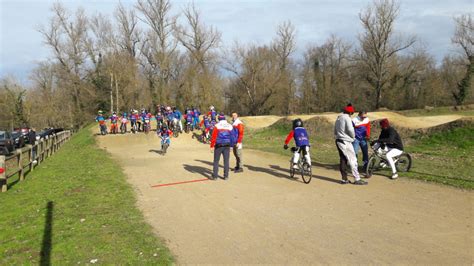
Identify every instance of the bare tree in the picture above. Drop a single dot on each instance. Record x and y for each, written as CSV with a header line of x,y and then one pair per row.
x,y
378,45
464,37
68,39
200,40
159,46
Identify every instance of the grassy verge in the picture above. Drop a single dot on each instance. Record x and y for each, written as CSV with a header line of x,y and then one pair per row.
x,y
466,110
444,157
76,208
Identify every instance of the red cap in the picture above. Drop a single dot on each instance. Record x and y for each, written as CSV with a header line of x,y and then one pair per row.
x,y
2,170
349,109
384,123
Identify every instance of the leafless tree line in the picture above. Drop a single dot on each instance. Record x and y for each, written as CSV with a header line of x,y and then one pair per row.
x,y
148,55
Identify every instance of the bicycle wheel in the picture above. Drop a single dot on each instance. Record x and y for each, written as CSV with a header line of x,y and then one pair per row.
x,y
292,170
372,165
306,173
403,163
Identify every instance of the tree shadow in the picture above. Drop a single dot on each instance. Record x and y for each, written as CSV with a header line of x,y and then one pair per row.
x,y
206,172
46,245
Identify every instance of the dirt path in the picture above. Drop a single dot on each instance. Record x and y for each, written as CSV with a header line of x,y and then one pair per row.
x,y
257,122
261,216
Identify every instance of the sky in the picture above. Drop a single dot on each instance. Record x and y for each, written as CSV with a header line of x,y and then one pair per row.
x,y
245,21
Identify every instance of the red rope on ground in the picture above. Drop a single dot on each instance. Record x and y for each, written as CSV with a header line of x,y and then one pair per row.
x,y
178,183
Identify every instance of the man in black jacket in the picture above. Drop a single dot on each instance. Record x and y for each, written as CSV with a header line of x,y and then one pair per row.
x,y
393,143
32,141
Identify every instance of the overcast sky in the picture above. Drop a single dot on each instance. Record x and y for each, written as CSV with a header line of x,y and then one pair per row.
x,y
21,46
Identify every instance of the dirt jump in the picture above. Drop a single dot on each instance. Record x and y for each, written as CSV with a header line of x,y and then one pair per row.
x,y
263,216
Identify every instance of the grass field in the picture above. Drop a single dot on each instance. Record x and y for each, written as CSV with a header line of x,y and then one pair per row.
x,y
444,157
76,208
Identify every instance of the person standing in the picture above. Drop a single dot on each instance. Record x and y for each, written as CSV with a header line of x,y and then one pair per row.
x,y
220,145
362,134
237,149
32,142
345,136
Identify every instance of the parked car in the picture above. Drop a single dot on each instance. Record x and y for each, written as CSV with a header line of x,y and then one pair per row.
x,y
45,133
24,133
7,143
19,139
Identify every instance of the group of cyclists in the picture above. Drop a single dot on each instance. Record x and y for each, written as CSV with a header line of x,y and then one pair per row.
x,y
169,122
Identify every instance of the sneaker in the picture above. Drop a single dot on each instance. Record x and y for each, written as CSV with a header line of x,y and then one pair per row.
x,y
295,166
343,182
213,178
360,182
394,176
238,170
35,162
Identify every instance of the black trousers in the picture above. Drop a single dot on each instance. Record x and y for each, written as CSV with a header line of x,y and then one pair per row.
x,y
225,151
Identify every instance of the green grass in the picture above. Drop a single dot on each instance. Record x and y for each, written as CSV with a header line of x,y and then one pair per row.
x,y
74,208
444,157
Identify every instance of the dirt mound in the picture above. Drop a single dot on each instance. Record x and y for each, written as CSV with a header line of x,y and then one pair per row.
x,y
417,122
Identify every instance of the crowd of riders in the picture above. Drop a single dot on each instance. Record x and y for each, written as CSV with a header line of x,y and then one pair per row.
x,y
170,121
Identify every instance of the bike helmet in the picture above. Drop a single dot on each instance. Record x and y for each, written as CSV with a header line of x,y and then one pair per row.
x,y
124,114
297,123
100,112
221,116
211,108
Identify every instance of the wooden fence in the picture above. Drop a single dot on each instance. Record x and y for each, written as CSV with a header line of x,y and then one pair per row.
x,y
26,159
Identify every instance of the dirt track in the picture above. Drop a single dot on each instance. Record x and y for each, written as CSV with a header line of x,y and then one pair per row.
x,y
261,216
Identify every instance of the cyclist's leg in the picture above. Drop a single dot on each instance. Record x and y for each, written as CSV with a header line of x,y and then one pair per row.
x,y
390,155
307,155
296,156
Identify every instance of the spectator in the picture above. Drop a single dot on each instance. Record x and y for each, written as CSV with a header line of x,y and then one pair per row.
x,y
345,136
362,134
221,141
32,141
239,126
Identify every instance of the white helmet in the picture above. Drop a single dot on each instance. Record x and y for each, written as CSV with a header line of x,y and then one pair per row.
x,y
211,107
168,108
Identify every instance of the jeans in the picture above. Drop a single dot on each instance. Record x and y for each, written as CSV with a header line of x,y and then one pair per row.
x,y
225,151
365,150
238,157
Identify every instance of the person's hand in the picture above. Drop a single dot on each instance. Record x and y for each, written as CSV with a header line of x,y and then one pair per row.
x,y
285,147
212,150
239,146
367,138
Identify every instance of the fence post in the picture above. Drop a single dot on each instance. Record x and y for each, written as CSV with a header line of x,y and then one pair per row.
x,y
39,151
3,174
21,173
30,152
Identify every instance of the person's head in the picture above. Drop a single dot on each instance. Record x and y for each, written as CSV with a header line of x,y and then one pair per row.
x,y
204,116
211,108
100,112
349,109
124,114
297,123
384,123
174,108
164,127
221,117
235,116
363,114
114,113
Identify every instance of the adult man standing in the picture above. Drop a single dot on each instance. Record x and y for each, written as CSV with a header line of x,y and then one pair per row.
x,y
221,141
362,134
32,141
239,127
345,135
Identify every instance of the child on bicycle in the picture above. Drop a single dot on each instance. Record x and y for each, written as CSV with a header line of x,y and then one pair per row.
x,y
123,123
165,135
114,123
207,126
300,135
